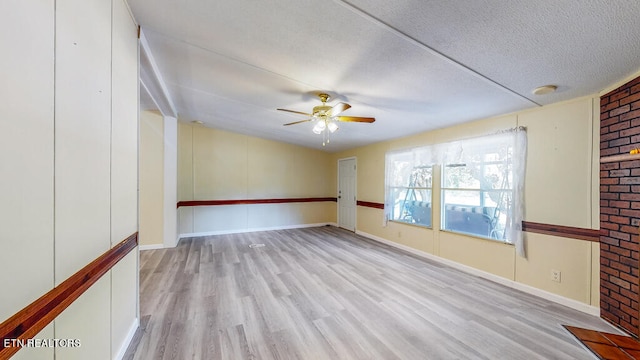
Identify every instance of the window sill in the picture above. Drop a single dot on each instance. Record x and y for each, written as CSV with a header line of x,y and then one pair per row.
x,y
412,224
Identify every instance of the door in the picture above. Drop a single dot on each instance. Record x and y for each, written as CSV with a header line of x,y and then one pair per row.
x,y
347,194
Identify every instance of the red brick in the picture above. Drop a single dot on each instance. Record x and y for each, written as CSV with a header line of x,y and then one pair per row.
x,y
621,299
610,136
621,125
620,110
629,245
628,164
612,105
610,166
604,100
626,100
610,121
634,89
629,115
619,235
610,181
611,286
617,249
619,173
635,172
629,294
611,301
629,180
609,210
620,188
612,151
635,105
620,204
630,213
629,229
610,226
620,94
614,242
620,142
626,148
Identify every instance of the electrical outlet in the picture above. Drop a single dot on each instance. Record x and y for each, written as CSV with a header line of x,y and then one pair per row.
x,y
399,234
556,275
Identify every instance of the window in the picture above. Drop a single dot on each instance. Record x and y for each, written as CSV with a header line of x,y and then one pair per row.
x,y
479,187
409,182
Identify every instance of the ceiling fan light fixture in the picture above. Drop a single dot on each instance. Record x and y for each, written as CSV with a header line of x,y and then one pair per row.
x,y
332,126
319,127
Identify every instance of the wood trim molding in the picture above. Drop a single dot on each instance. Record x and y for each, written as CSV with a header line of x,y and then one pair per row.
x,y
28,322
252,201
370,204
562,231
533,227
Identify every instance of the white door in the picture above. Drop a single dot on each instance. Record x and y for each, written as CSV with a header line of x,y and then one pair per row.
x,y
347,194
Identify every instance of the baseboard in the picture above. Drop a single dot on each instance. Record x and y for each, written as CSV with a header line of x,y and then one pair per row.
x,y
239,231
574,304
151,247
127,340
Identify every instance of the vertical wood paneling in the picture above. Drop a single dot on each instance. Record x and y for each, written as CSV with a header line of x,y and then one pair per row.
x,y
83,168
83,132
124,172
124,125
26,152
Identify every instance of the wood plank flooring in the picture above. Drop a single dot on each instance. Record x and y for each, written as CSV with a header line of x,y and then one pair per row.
x,y
326,293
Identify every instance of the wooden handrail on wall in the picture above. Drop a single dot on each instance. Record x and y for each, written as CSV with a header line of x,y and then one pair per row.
x,y
533,227
252,201
29,321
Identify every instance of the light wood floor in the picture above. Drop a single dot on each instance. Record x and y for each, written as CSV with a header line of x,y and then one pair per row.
x,y
325,293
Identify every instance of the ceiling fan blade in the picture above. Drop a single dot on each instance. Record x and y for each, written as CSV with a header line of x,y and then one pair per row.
x,y
338,108
295,112
355,119
297,122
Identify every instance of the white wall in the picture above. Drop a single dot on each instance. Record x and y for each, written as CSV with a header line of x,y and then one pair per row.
x,y
220,165
69,156
561,188
151,179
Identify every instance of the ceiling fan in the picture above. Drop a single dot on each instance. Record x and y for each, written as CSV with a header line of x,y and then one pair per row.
x,y
326,117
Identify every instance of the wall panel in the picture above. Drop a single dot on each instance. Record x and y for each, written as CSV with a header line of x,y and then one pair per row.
x,y
26,151
82,128
151,178
88,320
124,125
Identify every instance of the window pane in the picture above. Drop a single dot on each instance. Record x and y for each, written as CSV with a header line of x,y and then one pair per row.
x,y
482,213
412,206
461,176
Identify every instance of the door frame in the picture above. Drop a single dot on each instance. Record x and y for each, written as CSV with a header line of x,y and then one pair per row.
x,y
355,189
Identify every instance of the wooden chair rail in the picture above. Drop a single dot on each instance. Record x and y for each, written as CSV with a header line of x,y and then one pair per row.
x,y
29,321
533,227
252,201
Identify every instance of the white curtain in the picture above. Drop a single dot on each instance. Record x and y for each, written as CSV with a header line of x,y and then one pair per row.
x,y
513,145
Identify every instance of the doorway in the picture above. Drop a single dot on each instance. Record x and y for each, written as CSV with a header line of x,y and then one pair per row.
x,y
347,193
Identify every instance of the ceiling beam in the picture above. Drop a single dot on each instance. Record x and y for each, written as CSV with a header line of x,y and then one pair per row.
x,y
151,80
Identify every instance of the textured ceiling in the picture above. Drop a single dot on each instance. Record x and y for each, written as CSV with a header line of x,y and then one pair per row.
x,y
414,65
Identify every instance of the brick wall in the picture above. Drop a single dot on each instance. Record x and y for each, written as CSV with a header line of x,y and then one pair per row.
x,y
620,207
